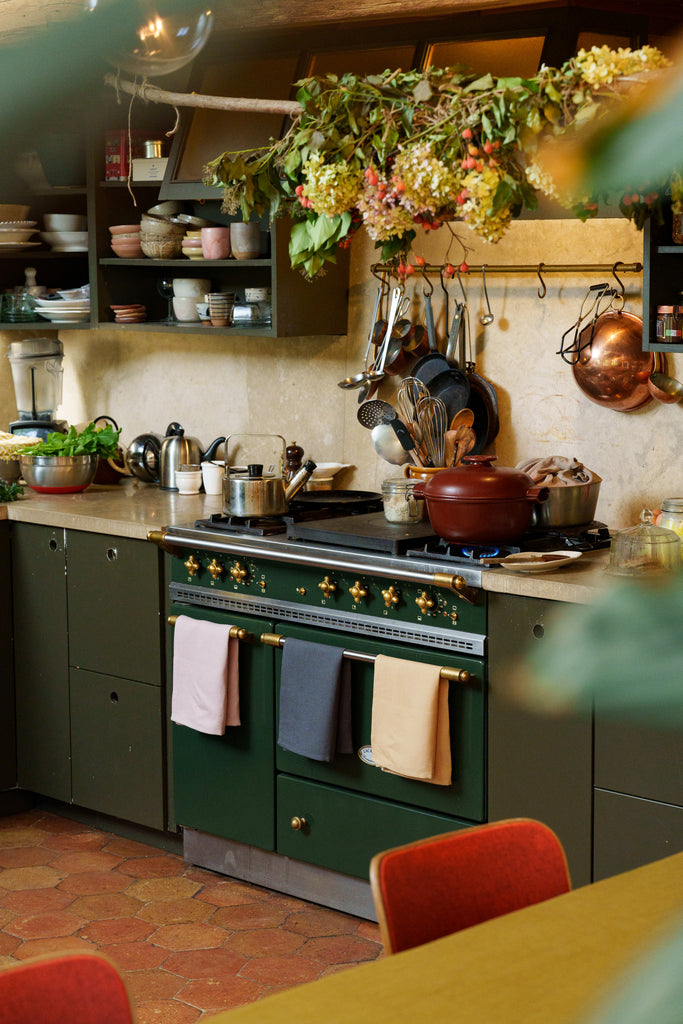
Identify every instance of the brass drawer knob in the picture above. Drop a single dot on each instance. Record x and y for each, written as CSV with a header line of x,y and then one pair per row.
x,y
298,824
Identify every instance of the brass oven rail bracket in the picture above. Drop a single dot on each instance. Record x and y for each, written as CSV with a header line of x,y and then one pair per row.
x,y
454,675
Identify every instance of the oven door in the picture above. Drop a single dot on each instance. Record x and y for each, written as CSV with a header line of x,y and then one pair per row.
x,y
353,809
225,785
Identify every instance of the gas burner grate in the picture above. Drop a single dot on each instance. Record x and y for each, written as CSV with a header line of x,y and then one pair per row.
x,y
258,527
586,537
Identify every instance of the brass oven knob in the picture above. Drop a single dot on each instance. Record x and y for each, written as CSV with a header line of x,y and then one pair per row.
x,y
391,596
327,586
301,590
192,565
298,824
238,572
357,591
424,602
215,569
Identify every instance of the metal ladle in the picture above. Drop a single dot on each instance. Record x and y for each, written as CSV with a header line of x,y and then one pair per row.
x,y
359,379
486,318
388,444
668,385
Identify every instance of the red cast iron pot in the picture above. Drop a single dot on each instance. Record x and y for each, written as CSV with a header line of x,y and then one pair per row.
x,y
477,503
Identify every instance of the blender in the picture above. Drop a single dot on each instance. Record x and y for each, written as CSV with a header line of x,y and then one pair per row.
x,y
37,372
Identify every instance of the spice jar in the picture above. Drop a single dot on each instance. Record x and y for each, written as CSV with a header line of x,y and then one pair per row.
x,y
669,324
672,517
400,505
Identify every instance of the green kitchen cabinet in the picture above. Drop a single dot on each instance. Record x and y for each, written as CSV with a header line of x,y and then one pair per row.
x,y
89,671
225,785
41,660
8,739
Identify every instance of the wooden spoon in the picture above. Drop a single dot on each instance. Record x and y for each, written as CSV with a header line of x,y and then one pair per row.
x,y
464,418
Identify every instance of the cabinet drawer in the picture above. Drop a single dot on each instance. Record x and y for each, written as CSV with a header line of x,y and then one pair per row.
x,y
629,832
117,747
344,830
639,760
114,606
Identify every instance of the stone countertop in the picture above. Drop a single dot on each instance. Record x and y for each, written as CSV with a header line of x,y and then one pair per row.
x,y
133,508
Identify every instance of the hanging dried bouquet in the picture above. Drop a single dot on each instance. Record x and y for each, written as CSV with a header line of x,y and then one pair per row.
x,y
409,149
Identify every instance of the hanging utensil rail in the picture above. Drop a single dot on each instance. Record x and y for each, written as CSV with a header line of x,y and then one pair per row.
x,y
525,268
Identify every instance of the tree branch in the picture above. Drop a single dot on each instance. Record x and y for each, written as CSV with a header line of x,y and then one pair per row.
x,y
182,99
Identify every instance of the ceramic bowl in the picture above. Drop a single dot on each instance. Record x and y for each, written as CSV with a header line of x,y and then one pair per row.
x,y
12,211
128,250
185,308
16,235
64,240
191,287
124,229
166,209
65,222
160,247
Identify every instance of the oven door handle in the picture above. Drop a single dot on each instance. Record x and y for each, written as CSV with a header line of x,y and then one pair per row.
x,y
236,632
454,675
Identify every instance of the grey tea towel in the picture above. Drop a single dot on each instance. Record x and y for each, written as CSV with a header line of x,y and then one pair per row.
x,y
315,701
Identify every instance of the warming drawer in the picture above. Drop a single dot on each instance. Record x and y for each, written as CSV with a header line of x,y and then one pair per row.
x,y
341,830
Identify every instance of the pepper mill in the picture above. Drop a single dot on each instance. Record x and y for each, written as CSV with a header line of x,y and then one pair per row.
x,y
294,455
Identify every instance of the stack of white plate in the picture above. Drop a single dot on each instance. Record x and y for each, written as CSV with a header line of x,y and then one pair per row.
x,y
63,311
16,234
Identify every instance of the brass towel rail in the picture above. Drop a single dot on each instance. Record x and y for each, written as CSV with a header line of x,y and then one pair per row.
x,y
236,632
455,675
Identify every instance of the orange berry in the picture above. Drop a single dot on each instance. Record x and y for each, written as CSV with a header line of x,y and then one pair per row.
x,y
420,261
463,268
467,133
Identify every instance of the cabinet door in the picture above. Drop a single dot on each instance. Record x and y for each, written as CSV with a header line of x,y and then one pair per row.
x,y
41,660
115,605
225,785
630,831
117,747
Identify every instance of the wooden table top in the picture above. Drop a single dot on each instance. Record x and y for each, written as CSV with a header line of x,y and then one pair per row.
x,y
544,963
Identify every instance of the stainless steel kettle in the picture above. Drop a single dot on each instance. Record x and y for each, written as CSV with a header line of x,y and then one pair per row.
x,y
255,494
142,457
179,450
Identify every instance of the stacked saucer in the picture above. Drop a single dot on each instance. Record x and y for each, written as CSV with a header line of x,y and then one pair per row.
x,y
130,314
192,245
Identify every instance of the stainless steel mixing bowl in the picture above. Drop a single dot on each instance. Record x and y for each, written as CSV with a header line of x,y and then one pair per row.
x,y
58,474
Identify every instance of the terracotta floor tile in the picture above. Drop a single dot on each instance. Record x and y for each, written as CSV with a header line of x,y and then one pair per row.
x,y
136,956
319,921
73,863
220,993
129,847
175,888
157,983
152,867
5,917
126,929
231,894
7,961
8,944
41,947
341,949
21,836
283,971
115,904
204,963
188,936
166,1012
25,857
250,915
369,930
38,901
69,842
176,911
91,883
53,823
264,942
45,926
30,878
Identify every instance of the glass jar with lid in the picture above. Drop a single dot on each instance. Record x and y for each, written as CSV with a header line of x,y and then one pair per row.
x,y
672,517
400,506
669,324
644,550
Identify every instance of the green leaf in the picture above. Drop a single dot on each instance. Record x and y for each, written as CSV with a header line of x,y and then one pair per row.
x,y
480,84
422,91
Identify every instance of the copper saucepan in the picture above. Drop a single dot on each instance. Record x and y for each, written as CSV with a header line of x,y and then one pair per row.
x,y
612,369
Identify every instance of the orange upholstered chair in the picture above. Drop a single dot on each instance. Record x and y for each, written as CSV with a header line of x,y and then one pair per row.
x,y
68,988
439,885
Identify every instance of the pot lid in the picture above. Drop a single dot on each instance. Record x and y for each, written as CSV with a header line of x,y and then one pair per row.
x,y
477,478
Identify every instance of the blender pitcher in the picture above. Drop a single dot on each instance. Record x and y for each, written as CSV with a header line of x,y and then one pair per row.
x,y
37,374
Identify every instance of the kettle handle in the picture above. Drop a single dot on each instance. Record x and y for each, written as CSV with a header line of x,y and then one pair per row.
x,y
174,430
230,437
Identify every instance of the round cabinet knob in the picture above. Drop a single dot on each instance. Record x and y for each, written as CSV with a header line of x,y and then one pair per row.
x,y
424,602
327,586
238,572
391,596
192,566
215,569
358,591
298,824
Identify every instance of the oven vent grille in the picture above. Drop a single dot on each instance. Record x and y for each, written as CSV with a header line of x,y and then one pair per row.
x,y
366,625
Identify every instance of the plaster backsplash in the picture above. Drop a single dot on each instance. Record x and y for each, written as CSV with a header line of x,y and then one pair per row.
x,y
223,385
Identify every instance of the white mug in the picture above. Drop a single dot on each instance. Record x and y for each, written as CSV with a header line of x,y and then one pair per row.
x,y
212,475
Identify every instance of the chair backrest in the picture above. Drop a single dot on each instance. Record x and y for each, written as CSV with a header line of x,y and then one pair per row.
x,y
439,885
68,988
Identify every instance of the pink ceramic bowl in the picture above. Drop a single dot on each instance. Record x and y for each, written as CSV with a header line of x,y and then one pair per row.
x,y
125,229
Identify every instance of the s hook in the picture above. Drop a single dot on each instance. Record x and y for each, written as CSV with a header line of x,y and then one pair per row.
x,y
542,290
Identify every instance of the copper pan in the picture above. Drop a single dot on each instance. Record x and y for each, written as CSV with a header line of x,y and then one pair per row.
x,y
612,369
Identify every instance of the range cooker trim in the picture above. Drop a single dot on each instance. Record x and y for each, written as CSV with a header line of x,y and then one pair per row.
x,y
366,625
298,553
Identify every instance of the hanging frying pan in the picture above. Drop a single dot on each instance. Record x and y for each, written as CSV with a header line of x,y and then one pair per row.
x,y
429,366
482,400
453,388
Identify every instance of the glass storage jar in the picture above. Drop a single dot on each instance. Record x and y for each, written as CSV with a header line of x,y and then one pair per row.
x,y
400,506
672,517
669,324
644,550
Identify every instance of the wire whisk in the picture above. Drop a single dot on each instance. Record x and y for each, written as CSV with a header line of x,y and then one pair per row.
x,y
432,419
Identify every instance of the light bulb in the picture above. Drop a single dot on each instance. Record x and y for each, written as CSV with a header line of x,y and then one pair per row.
x,y
163,42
